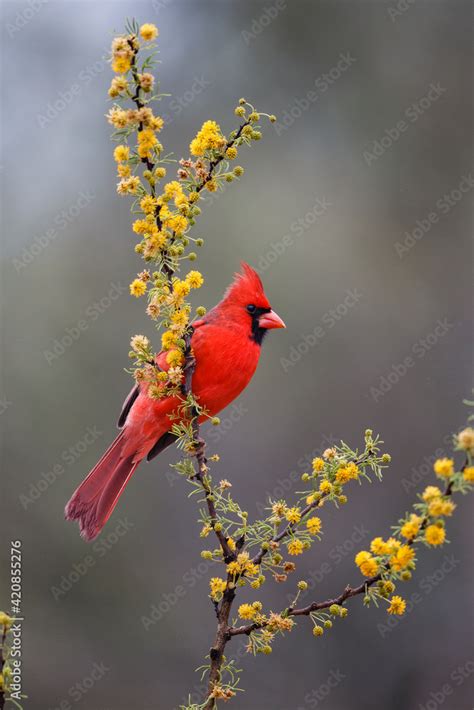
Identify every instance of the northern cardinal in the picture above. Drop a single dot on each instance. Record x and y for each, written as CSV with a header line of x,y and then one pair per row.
x,y
226,344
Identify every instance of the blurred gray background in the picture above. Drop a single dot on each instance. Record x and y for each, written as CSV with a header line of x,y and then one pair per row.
x,y
356,209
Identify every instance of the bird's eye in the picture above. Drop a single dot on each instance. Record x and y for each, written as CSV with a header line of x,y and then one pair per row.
x,y
251,308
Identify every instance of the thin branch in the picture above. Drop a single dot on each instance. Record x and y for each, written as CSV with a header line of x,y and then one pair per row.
x,y
346,594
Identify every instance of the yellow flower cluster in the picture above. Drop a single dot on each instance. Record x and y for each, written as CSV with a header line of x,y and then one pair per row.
x,y
148,32
465,440
347,472
402,558
118,86
366,563
208,138
411,527
217,586
318,464
397,606
250,611
435,535
123,49
147,141
444,468
243,566
313,525
121,153
325,487
137,288
468,474
295,547
293,515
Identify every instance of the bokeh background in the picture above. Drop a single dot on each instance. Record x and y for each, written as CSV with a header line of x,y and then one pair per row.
x,y
328,197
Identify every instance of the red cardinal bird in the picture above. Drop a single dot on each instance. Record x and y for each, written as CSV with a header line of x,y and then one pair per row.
x,y
226,345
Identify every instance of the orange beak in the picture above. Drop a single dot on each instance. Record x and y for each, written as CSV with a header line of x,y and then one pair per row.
x,y
270,320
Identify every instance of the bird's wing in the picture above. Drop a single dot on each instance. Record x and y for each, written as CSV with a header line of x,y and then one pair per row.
x,y
135,391
127,405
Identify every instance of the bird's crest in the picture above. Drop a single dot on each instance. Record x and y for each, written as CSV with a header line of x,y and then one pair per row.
x,y
246,288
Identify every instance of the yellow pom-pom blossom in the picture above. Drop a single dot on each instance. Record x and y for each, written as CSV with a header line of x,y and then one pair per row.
x,y
168,340
295,547
247,611
318,464
402,558
174,358
362,556
369,568
397,606
444,468
177,223
121,153
123,171
347,473
468,474
148,31
325,487
181,288
293,515
431,492
410,529
314,525
435,535
438,507
148,204
217,586
366,563
137,288
209,137
121,64
379,547
195,279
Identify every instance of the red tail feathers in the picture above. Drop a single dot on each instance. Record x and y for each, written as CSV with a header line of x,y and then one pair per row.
x,y
93,502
